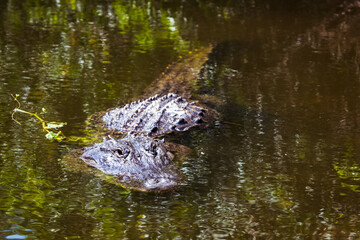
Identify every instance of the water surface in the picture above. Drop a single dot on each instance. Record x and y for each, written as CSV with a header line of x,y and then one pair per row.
x,y
282,162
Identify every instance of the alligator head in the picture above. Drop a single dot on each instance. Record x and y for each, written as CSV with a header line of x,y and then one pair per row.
x,y
136,161
156,115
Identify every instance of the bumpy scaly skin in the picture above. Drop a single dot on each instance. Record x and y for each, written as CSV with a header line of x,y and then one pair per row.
x,y
156,115
139,162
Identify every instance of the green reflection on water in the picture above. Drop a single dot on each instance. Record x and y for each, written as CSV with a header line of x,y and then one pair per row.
x,y
348,169
275,166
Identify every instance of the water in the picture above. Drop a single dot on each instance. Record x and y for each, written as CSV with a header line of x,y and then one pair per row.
x,y
282,162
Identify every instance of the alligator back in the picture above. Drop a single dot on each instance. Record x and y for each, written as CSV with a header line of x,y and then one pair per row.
x,y
156,115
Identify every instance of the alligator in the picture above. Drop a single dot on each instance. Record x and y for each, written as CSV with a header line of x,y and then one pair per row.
x,y
132,152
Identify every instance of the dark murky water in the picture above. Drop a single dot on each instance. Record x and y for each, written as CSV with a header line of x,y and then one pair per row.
x,y
281,163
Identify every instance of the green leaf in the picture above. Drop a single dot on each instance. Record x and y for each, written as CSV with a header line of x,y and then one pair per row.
x,y
51,135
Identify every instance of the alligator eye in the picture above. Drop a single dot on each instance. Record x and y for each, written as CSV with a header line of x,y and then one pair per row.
x,y
118,152
153,149
182,121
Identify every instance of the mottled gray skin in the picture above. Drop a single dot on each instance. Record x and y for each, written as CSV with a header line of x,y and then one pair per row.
x,y
156,116
137,161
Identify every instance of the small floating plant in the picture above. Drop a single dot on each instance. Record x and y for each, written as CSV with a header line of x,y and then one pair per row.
x,y
52,129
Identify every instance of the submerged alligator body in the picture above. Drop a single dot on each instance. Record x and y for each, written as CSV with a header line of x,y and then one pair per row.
x,y
138,160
